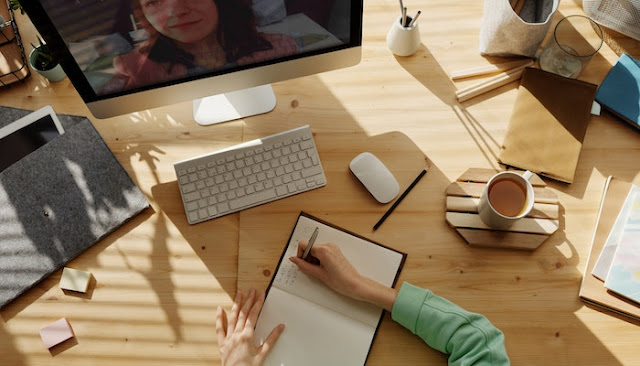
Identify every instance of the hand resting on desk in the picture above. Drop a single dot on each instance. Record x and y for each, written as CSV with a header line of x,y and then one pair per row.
x,y
469,338
235,332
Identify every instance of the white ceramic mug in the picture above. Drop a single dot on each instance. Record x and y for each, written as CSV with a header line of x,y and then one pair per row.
x,y
488,212
403,41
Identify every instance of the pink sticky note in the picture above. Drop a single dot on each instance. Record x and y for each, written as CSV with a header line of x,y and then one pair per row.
x,y
56,333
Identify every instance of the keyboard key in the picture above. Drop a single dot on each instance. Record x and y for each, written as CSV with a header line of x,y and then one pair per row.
x,y
192,196
192,206
193,216
188,188
223,207
305,145
281,190
253,199
311,171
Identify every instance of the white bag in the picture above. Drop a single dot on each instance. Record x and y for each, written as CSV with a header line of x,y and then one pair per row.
x,y
505,33
620,15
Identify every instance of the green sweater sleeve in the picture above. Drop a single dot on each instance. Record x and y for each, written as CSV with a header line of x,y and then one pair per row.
x,y
469,338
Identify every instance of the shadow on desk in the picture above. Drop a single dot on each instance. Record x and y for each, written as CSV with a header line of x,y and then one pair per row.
x,y
214,241
88,259
604,132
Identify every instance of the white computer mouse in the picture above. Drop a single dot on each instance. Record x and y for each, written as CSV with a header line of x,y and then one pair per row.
x,y
375,177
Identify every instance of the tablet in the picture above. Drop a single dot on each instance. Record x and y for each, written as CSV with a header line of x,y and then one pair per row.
x,y
27,134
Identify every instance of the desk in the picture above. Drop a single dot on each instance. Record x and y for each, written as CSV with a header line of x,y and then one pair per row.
x,y
159,281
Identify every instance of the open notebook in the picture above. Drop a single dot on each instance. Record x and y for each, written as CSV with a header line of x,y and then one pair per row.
x,y
322,326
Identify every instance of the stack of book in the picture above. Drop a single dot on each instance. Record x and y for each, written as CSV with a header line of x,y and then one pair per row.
x,y
612,276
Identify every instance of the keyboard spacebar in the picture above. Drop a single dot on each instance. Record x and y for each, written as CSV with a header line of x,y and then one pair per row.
x,y
252,199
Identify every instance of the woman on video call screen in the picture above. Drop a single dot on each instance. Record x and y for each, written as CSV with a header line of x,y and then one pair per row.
x,y
127,45
191,37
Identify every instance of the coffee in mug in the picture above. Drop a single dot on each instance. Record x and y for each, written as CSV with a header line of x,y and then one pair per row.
x,y
506,198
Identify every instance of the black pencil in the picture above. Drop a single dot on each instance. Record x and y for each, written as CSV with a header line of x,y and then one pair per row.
x,y
395,204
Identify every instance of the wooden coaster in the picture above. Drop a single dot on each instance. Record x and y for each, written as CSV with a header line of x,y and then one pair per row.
x,y
528,233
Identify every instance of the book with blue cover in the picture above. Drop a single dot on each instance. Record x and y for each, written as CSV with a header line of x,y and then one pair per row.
x,y
619,92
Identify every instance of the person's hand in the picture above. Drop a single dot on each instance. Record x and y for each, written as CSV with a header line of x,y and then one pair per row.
x,y
235,332
330,266
327,263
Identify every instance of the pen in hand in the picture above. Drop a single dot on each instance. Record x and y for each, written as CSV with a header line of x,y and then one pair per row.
x,y
312,240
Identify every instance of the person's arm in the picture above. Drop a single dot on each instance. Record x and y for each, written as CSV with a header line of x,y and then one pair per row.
x,y
469,338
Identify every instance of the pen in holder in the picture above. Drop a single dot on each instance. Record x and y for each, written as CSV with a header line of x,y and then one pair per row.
x,y
404,39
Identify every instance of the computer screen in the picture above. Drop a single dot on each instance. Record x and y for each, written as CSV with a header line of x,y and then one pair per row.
x,y
128,55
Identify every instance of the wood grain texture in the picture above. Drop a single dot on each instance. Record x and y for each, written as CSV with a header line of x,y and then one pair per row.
x,y
524,225
160,280
469,204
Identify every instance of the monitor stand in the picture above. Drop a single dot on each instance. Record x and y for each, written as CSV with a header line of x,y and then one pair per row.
x,y
234,105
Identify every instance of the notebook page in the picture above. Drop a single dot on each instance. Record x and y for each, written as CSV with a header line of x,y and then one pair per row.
x,y
601,268
371,260
624,274
313,335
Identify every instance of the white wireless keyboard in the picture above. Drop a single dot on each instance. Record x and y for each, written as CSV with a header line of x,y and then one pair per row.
x,y
249,174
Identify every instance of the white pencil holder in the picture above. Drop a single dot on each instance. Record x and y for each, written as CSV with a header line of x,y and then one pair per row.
x,y
403,41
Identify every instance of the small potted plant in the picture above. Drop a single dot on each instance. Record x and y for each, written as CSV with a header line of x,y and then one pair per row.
x,y
43,62
15,5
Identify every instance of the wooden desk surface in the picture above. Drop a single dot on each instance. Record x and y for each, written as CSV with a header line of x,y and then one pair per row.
x,y
159,280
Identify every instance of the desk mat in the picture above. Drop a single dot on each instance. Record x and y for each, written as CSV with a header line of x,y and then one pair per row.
x,y
57,202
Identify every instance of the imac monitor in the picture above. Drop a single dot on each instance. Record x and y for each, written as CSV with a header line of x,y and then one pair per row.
x,y
129,55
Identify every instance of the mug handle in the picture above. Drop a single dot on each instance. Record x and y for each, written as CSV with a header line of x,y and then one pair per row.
x,y
527,175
